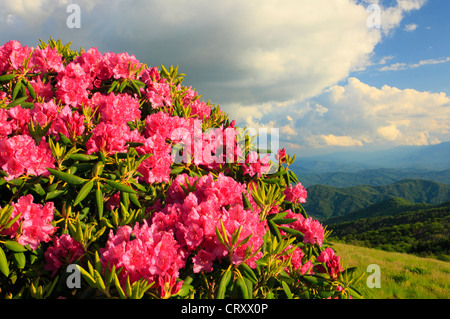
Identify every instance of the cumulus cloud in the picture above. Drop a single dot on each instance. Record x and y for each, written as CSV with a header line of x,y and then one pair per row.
x,y
358,114
260,60
236,51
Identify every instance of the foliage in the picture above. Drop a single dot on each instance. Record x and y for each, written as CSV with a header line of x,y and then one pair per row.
x,y
326,202
116,171
418,229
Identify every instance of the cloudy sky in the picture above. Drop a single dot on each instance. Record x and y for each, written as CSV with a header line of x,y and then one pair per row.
x,y
328,74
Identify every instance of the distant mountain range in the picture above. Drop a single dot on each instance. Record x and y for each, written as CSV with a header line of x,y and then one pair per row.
x,y
374,177
325,201
430,158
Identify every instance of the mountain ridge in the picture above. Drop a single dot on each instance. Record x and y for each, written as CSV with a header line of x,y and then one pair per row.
x,y
325,201
374,177
430,157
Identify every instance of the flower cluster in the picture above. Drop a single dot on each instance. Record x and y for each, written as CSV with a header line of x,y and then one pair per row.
x,y
152,254
194,217
34,220
117,167
21,155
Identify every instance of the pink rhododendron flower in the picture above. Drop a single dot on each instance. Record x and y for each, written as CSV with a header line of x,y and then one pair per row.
x,y
151,254
72,85
20,118
68,123
191,99
256,166
122,65
331,261
281,155
157,167
108,138
95,65
157,89
65,250
203,261
13,55
44,113
5,124
41,89
36,221
312,229
116,109
20,155
296,194
307,268
194,217
46,60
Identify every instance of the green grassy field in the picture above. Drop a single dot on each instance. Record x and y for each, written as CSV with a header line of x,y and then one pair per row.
x,y
403,276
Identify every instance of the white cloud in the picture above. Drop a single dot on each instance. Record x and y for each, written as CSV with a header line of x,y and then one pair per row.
x,y
237,51
410,27
333,140
260,60
392,16
404,66
360,115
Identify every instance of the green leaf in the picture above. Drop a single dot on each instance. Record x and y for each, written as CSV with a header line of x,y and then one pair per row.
x,y
287,290
99,280
20,260
246,202
355,293
292,231
248,272
224,281
119,288
177,170
120,187
69,178
134,199
14,246
82,157
64,140
84,191
242,288
4,268
12,221
17,89
7,77
99,200
30,90
17,102
5,214
274,229
315,280
282,221
90,280
113,86
55,193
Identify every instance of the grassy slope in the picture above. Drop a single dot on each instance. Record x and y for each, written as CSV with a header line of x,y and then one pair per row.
x,y
403,276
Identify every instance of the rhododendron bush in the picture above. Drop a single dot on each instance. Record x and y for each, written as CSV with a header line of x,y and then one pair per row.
x,y
116,172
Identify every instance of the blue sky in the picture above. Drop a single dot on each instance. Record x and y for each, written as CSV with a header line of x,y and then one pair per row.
x,y
427,39
313,70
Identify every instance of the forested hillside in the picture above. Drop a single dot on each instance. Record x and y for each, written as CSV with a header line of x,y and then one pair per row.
x,y
325,201
423,230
